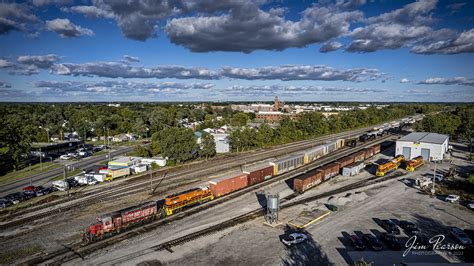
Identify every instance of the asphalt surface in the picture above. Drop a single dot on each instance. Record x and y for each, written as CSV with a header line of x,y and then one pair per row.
x,y
43,178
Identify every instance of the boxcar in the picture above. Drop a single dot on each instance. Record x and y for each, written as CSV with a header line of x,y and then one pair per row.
x,y
376,148
369,152
286,164
358,156
314,153
329,171
345,161
228,184
258,172
307,181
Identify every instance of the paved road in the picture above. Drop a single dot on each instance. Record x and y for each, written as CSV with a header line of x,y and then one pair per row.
x,y
43,178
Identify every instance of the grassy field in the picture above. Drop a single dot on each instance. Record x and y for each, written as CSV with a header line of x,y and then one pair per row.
x,y
28,171
11,256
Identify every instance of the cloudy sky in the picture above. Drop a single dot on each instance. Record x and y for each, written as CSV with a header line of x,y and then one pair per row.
x,y
230,50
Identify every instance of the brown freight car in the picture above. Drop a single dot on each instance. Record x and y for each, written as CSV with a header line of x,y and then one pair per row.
x,y
376,148
369,152
358,156
329,171
345,161
228,184
258,172
307,181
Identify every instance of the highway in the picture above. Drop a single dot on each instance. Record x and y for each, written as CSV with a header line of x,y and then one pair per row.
x,y
43,178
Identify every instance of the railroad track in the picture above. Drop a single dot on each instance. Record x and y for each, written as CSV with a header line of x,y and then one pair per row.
x,y
110,193
78,250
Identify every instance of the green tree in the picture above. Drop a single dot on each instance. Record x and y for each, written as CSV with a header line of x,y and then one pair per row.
x,y
142,151
265,135
177,143
239,119
208,146
15,142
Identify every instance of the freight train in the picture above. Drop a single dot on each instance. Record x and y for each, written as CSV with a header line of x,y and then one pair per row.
x,y
248,175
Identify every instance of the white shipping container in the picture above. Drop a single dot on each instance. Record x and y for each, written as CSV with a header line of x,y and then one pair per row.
x,y
139,169
353,169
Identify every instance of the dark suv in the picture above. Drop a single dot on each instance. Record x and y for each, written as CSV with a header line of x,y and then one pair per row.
x,y
373,242
409,228
390,227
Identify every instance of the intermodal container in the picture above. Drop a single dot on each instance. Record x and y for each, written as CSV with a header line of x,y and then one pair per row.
x,y
307,181
376,148
225,185
345,161
257,173
329,171
339,143
358,156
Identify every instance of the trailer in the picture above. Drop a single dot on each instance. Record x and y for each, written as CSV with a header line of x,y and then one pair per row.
x,y
116,173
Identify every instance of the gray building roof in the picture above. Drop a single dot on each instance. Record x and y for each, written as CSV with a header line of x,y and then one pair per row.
x,y
425,137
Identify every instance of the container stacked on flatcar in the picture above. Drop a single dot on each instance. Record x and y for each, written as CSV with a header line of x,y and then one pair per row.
x,y
314,153
228,183
340,143
329,171
288,163
114,222
308,180
258,172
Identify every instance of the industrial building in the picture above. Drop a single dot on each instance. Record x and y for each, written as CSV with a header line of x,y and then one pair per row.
x,y
431,146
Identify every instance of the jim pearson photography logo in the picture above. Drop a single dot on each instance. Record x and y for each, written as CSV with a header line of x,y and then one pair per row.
x,y
435,245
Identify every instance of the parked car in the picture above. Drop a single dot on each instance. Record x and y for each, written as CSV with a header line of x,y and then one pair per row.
x,y
357,242
439,177
46,190
470,206
29,188
390,227
294,239
4,203
16,198
28,194
391,241
373,242
460,235
65,157
409,228
452,198
72,183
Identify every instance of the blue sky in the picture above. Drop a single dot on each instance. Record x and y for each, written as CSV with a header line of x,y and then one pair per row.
x,y
197,50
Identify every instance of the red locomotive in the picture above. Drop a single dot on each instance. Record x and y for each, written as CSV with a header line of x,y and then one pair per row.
x,y
114,222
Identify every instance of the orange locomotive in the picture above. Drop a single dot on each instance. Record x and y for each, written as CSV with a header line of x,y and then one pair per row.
x,y
390,166
176,202
414,163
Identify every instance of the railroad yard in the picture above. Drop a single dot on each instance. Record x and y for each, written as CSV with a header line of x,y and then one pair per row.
x,y
230,228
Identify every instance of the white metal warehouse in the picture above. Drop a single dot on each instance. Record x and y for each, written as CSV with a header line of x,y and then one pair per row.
x,y
432,146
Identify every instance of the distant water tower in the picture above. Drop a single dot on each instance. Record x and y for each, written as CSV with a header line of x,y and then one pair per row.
x,y
273,205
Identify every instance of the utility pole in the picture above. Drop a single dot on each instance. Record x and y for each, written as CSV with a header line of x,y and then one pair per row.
x,y
65,178
41,159
108,142
151,181
434,179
